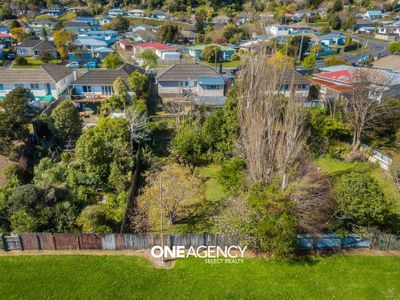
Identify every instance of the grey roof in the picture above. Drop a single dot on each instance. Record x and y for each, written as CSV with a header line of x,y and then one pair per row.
x,y
40,45
106,76
44,74
292,76
181,72
77,24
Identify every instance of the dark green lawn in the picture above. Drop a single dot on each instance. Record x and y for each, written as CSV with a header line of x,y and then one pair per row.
x,y
127,277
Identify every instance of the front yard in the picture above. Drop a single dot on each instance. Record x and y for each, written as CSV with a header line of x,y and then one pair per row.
x,y
34,62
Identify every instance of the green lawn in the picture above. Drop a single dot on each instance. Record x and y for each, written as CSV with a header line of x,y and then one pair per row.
x,y
34,62
368,37
128,277
226,64
213,189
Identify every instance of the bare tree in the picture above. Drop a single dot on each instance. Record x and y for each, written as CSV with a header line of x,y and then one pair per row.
x,y
271,118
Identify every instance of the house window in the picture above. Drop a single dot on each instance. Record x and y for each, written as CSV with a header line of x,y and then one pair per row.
x,y
87,88
1,87
213,87
17,85
106,90
34,86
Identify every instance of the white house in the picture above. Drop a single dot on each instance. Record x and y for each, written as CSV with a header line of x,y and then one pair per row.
x,y
116,12
47,82
139,13
283,30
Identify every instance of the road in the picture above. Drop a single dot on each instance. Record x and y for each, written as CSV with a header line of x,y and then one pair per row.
x,y
374,48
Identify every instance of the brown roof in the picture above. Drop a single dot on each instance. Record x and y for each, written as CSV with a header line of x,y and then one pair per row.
x,y
181,72
40,45
44,74
106,76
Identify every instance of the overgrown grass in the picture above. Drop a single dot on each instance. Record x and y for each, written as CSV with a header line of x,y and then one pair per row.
x,y
127,277
213,189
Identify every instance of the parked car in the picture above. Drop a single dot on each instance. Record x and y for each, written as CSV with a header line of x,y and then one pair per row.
x,y
90,65
73,64
363,59
10,56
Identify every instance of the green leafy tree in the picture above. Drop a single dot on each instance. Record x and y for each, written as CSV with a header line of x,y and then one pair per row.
x,y
310,61
64,41
361,199
46,56
111,61
121,24
66,122
212,53
15,115
21,61
189,147
394,48
231,175
336,61
139,84
168,33
335,22
149,58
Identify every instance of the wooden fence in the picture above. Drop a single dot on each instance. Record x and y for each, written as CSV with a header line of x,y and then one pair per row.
x,y
137,241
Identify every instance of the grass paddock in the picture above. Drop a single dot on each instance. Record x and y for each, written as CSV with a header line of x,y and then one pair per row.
x,y
131,277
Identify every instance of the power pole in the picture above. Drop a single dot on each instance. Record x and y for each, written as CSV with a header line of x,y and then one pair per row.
x,y
301,45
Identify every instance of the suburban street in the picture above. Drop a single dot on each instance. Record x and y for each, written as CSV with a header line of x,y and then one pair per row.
x,y
374,48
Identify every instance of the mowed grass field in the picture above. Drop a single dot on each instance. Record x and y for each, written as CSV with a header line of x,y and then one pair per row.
x,y
131,277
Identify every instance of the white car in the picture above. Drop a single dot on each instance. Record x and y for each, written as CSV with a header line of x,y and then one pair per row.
x,y
73,64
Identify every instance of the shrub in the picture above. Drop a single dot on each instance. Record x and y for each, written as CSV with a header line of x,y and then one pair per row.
x,y
231,175
235,57
21,61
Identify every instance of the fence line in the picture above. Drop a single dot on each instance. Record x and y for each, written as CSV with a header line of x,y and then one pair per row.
x,y
137,241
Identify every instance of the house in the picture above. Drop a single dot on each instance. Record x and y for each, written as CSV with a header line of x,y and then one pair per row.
x,y
240,19
226,52
389,62
158,14
54,10
332,39
363,25
108,36
74,9
98,83
90,43
293,82
4,29
47,23
373,15
105,20
36,48
78,26
116,12
221,20
158,48
284,30
89,20
5,39
126,45
337,84
189,35
142,36
47,82
138,13
389,29
191,82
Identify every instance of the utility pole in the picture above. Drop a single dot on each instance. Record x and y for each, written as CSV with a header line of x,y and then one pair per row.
x,y
301,45
161,220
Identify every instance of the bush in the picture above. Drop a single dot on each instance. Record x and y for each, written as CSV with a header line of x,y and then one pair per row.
x,y
231,175
21,61
361,199
235,57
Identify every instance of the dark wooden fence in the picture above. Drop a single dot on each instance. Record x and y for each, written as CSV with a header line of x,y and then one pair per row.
x,y
137,241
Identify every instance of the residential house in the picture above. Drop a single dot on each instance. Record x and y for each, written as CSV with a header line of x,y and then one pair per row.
x,y
158,48
142,36
333,39
221,20
4,29
109,36
5,39
90,43
158,14
226,52
389,62
373,15
116,12
78,26
36,48
292,82
189,35
47,82
98,83
126,45
47,23
241,19
284,30
138,13
337,84
89,20
191,82
363,25
105,20
54,10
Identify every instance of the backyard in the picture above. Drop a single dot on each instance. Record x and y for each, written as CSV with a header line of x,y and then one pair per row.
x,y
123,277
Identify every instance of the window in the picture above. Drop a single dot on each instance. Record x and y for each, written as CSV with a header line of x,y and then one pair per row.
x,y
1,87
106,90
213,87
17,85
34,86
87,88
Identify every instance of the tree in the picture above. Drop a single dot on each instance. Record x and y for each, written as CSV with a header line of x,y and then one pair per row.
x,y
361,199
66,122
201,18
349,41
168,33
149,58
111,61
231,175
335,22
212,53
325,29
336,61
46,56
310,61
316,48
15,115
394,48
189,147
64,41
18,33
21,61
180,191
139,84
121,24
43,33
